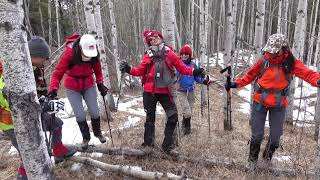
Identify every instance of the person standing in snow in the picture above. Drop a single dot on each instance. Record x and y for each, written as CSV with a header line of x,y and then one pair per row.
x,y
39,52
185,88
272,74
157,72
79,62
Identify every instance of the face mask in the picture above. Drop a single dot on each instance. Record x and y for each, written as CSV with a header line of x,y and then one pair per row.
x,y
85,59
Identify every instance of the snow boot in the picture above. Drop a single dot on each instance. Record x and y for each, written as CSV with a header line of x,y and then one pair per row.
x,y
186,125
168,142
97,130
149,136
253,156
58,149
84,128
22,174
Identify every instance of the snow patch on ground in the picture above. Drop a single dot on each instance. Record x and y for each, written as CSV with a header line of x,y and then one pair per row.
x,y
282,158
94,154
76,167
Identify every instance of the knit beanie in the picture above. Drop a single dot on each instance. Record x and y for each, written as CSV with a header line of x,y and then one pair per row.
x,y
38,47
186,49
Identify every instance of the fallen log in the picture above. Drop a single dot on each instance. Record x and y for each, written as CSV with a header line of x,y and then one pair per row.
x,y
128,170
209,162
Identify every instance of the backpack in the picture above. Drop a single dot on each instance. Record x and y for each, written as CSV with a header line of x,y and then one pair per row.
x,y
285,92
164,74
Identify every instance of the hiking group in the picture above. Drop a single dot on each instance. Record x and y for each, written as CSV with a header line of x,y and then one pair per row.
x,y
272,74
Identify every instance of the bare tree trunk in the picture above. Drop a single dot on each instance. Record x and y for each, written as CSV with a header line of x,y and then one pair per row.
x,y
114,37
57,21
191,40
312,39
21,91
229,47
41,18
259,29
297,50
49,24
282,17
167,21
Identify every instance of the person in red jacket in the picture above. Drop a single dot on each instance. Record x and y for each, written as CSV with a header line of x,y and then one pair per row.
x,y
157,72
79,61
272,74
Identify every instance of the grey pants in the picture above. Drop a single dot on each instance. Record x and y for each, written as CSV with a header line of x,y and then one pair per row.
x,y
185,102
90,97
258,119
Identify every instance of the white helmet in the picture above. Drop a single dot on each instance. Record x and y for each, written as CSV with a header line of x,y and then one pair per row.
x,y
88,45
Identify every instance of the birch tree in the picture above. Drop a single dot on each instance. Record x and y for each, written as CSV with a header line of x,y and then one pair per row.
x,y
297,50
229,46
259,29
57,22
21,91
282,17
49,24
167,21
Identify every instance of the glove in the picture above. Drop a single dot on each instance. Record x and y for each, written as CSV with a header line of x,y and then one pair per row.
x,y
124,67
103,89
53,106
231,85
53,94
318,83
199,72
206,81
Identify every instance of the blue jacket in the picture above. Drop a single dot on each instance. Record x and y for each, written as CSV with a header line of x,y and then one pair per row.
x,y
186,83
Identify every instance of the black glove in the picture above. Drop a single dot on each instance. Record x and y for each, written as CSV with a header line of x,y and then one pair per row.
x,y
103,89
231,85
199,72
124,67
53,94
206,81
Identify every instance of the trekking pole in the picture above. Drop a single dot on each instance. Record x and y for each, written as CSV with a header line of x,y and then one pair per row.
x,y
227,121
108,119
45,134
208,105
120,87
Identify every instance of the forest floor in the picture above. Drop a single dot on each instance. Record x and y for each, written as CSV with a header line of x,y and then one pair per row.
x,y
299,148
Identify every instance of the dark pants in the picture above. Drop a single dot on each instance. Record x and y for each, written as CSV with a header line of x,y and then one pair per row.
x,y
258,119
150,102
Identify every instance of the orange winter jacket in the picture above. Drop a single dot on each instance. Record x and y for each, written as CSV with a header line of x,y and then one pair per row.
x,y
275,79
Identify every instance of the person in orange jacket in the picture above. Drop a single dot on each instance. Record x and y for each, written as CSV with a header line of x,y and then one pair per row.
x,y
272,74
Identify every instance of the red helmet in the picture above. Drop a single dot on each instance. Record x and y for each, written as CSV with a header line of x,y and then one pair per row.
x,y
186,49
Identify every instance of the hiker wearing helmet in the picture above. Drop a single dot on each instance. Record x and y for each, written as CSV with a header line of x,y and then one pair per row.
x,y
185,88
157,72
272,74
79,62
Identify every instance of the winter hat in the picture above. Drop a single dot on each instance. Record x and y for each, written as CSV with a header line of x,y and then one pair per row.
x,y
186,49
88,45
275,43
38,47
150,33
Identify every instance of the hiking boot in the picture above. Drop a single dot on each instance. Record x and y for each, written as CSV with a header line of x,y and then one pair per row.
x,y
97,130
84,129
168,142
85,144
22,174
268,151
149,134
253,156
186,125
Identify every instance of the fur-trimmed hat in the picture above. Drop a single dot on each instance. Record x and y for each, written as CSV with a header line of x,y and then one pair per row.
x,y
151,33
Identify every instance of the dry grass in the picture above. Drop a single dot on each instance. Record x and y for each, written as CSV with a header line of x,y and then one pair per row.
x,y
226,144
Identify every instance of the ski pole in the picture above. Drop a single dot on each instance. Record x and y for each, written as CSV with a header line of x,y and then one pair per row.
x,y
227,122
208,105
108,119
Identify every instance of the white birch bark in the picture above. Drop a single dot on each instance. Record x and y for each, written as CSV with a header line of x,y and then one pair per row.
x,y
312,39
191,40
259,29
41,18
22,95
114,41
167,21
282,17
297,49
57,22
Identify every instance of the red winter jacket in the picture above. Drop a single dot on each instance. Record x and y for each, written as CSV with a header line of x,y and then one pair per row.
x,y
273,79
79,77
172,60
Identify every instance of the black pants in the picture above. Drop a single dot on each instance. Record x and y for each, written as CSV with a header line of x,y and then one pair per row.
x,y
150,102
